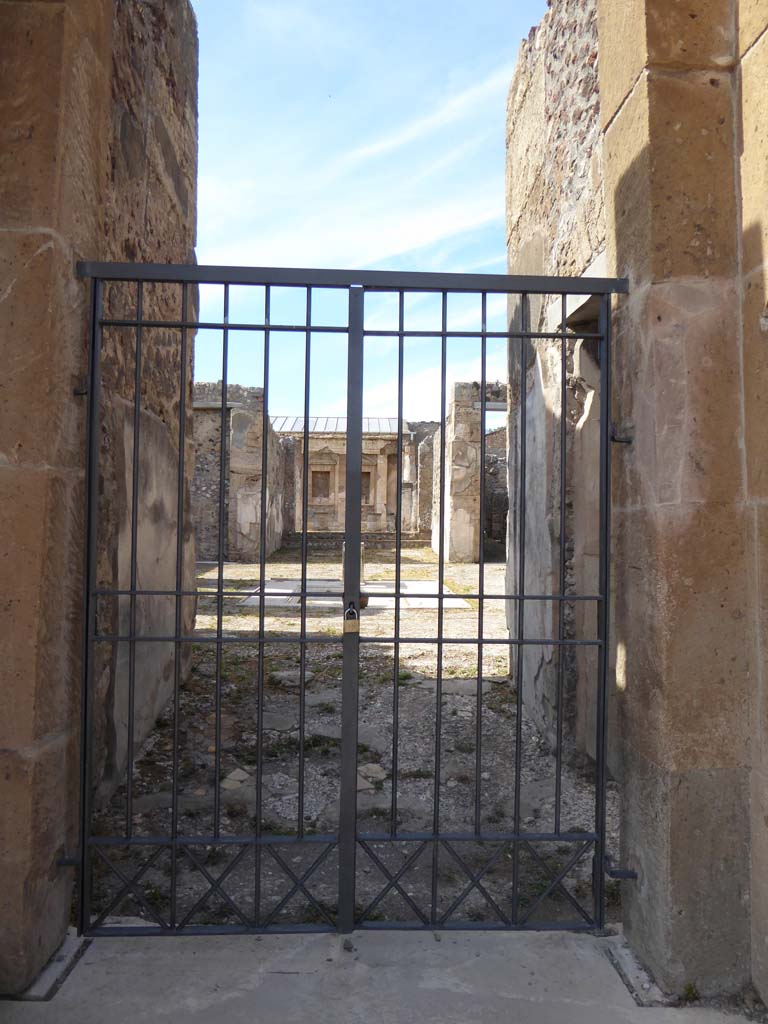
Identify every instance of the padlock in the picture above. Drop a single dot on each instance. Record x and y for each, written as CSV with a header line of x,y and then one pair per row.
x,y
351,619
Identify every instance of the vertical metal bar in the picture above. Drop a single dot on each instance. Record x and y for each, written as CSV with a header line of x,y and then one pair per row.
x,y
440,588
93,440
304,556
223,530
134,561
351,640
561,604
262,599
525,315
481,567
603,608
178,610
398,567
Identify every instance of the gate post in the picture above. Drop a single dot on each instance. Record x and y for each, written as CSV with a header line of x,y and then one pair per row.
x,y
351,640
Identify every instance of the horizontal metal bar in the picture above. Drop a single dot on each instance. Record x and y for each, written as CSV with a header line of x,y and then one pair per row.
x,y
201,840
125,931
373,279
578,925
472,837
328,839
282,638
249,591
221,325
225,325
545,642
208,638
531,335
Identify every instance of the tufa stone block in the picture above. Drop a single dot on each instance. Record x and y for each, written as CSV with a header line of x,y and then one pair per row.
x,y
753,21
754,156
670,183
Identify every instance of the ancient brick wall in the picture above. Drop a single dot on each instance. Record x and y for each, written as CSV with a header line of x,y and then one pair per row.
x,y
98,107
149,215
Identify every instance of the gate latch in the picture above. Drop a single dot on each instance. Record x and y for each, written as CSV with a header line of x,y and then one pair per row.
x,y
351,619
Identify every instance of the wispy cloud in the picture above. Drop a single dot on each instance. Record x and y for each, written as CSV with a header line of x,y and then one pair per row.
x,y
453,108
360,235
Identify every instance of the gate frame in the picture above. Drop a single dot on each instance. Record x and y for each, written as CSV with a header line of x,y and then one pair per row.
x,y
356,283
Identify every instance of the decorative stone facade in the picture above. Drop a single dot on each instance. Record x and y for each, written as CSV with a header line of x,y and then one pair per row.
x,y
285,459
327,489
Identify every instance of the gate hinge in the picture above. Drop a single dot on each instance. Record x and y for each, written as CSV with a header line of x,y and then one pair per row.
x,y
67,862
81,390
623,873
618,438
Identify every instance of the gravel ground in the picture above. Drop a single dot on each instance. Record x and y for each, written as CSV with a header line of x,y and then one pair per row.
x,y
300,791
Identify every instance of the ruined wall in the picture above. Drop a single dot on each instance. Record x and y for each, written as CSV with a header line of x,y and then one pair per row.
x,y
89,169
207,480
462,519
290,494
496,492
244,453
555,225
426,458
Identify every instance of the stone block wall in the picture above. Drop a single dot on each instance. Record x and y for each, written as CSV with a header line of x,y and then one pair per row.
x,y
688,494
689,374
98,116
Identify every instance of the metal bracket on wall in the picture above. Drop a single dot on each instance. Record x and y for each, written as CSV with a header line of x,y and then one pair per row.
x,y
624,873
618,438
67,862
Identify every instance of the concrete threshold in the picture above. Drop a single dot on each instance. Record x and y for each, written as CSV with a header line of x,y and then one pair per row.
x,y
385,977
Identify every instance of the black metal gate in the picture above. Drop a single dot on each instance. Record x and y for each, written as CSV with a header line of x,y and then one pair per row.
x,y
259,751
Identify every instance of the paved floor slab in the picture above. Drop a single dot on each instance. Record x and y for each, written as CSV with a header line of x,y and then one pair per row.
x,y
284,593
385,977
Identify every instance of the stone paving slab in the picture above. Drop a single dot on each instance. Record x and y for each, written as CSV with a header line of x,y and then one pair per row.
x,y
275,595
381,977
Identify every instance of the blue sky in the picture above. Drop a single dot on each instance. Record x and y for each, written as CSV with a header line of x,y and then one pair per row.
x,y
353,135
